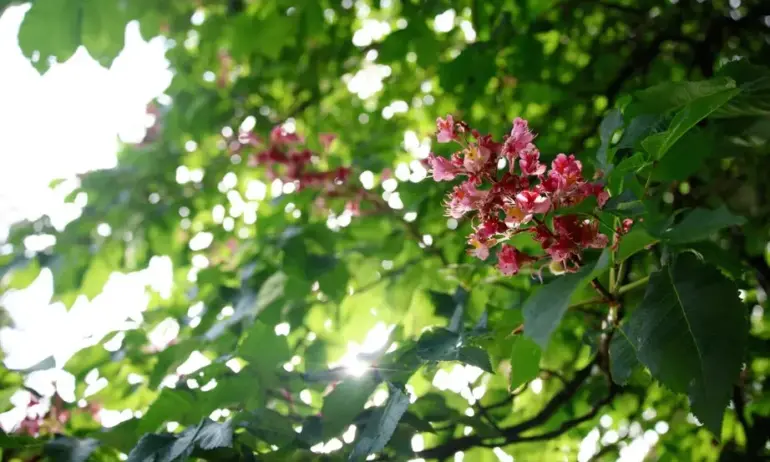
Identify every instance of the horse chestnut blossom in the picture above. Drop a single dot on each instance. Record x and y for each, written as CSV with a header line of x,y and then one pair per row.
x,y
505,203
285,159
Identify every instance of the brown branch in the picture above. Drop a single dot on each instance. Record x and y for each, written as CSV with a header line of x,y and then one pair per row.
x,y
512,434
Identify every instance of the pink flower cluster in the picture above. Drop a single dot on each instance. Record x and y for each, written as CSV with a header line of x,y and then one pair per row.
x,y
509,201
285,159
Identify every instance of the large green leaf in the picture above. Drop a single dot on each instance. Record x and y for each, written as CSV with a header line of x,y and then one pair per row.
x,y
659,144
611,122
344,403
263,348
543,310
670,96
381,425
690,331
700,224
754,82
51,28
64,449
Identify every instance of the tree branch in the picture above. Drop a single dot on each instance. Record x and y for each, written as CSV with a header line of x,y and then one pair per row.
x,y
512,434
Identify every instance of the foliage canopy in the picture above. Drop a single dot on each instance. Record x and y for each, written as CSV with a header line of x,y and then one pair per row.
x,y
666,105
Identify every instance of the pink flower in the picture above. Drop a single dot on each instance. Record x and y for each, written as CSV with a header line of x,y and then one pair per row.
x,y
475,159
597,190
464,199
529,161
510,260
480,248
446,129
443,169
531,202
567,169
519,138
280,136
489,228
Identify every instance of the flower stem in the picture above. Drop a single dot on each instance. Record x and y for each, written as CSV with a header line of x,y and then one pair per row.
x,y
633,285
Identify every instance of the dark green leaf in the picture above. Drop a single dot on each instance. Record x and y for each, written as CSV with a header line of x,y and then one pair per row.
x,y
686,156
213,435
64,449
635,241
612,122
381,425
690,331
671,96
659,144
475,356
623,358
754,82
700,224
438,344
543,310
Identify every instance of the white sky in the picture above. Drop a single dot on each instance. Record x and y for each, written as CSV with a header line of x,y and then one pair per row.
x,y
55,126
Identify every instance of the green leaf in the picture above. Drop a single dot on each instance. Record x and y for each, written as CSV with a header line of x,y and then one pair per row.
x,y
51,28
525,361
700,224
670,96
170,405
169,358
381,425
635,241
612,121
543,310
439,344
213,435
625,204
263,348
268,425
623,358
475,356
344,403
103,29
690,331
638,128
23,272
271,290
153,447
754,82
659,144
65,449
685,157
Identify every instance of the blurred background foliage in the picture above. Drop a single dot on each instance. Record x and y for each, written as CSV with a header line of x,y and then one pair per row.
x,y
251,257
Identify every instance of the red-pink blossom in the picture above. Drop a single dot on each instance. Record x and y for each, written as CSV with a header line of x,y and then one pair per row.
x,y
479,248
567,170
529,161
445,129
465,198
510,260
506,203
442,168
532,202
280,136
